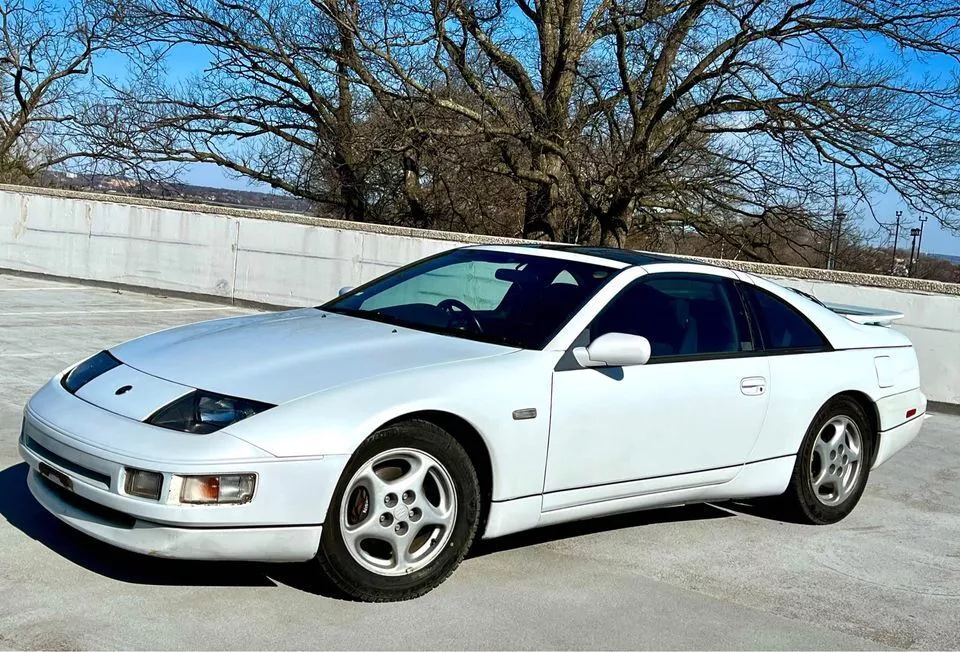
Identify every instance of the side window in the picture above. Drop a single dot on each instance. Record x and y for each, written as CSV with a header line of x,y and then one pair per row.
x,y
681,315
782,327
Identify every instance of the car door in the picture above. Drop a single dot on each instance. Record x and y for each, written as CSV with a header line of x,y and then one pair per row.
x,y
697,405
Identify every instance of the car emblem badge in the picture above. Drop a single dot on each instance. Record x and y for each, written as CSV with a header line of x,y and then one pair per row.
x,y
400,513
123,390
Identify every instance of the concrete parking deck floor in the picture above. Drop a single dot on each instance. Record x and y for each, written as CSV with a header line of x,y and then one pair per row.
x,y
690,577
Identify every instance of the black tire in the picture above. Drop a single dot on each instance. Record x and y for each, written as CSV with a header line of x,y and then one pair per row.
x,y
359,583
801,499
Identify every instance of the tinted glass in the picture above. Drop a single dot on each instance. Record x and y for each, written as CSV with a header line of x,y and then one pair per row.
x,y
681,315
781,326
506,298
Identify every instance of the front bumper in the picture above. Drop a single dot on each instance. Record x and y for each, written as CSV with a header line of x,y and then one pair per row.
x,y
94,448
270,544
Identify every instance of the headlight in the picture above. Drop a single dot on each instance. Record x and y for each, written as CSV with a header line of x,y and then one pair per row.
x,y
203,412
87,370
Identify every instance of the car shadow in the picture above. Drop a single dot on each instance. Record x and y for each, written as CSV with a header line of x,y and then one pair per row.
x,y
771,508
22,511
697,512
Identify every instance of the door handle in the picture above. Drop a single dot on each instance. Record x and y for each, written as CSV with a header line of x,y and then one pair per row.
x,y
753,386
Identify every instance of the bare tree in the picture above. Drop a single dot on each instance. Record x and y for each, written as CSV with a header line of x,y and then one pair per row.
x,y
628,112
578,120
271,100
47,51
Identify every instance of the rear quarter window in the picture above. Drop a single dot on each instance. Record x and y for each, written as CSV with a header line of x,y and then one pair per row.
x,y
783,327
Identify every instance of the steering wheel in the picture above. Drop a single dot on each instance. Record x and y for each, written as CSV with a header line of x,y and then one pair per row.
x,y
454,307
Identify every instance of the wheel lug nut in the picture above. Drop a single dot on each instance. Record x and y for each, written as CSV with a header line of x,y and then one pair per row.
x,y
408,497
390,500
386,520
415,514
400,528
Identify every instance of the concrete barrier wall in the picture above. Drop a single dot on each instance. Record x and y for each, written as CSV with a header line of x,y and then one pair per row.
x,y
296,260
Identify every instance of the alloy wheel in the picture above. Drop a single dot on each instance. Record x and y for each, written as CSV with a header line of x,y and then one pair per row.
x,y
835,461
398,512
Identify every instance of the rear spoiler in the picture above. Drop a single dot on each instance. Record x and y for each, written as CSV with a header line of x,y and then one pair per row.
x,y
859,314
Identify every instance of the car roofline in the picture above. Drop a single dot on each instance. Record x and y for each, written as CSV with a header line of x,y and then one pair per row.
x,y
606,256
551,252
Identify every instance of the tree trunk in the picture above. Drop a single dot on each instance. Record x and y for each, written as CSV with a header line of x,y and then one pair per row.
x,y
417,212
351,190
541,208
613,221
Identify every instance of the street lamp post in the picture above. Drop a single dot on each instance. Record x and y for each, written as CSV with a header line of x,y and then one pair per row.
x,y
914,233
923,218
833,219
833,245
896,237
836,249
833,223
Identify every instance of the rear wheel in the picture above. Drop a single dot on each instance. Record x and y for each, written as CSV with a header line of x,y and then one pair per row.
x,y
403,515
833,464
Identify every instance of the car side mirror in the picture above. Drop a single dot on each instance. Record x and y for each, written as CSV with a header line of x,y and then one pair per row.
x,y
614,350
344,290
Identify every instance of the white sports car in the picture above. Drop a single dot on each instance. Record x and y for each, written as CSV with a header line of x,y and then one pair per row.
x,y
485,390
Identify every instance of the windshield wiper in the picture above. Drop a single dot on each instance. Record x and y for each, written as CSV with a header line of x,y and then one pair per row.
x,y
372,315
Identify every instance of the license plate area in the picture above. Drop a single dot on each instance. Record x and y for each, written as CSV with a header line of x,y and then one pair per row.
x,y
58,478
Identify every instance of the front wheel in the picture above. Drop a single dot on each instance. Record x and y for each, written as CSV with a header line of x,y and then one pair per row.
x,y
833,464
403,515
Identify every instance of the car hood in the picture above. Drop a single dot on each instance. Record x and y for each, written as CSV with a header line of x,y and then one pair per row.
x,y
279,357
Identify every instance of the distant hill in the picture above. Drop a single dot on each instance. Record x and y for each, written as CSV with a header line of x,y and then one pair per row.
x,y
179,192
949,258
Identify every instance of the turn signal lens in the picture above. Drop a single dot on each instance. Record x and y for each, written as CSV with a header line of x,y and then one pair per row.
x,y
201,489
145,484
218,489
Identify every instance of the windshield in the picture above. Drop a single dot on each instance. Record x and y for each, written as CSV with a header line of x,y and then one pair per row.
x,y
503,298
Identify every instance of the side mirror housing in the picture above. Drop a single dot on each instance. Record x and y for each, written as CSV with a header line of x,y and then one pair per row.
x,y
614,350
344,290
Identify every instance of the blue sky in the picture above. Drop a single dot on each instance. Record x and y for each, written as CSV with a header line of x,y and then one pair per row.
x,y
936,239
